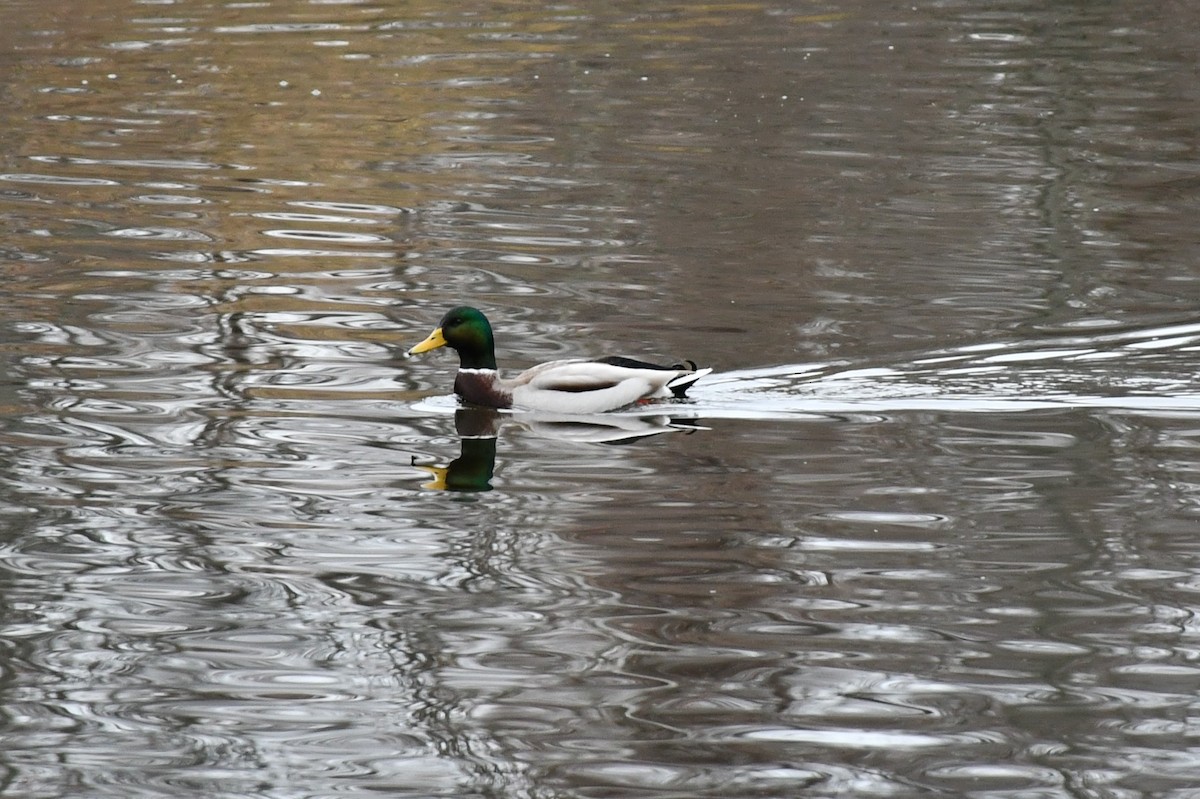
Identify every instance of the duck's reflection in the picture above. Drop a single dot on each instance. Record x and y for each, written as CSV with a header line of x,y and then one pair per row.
x,y
479,429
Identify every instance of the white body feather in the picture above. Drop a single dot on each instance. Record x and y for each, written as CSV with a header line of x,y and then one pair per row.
x,y
582,387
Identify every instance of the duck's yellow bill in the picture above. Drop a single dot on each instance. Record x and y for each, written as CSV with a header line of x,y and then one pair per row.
x,y
435,340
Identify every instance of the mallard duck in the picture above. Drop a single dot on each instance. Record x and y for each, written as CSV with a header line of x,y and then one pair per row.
x,y
569,386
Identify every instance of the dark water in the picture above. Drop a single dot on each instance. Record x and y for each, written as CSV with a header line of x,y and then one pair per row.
x,y
931,529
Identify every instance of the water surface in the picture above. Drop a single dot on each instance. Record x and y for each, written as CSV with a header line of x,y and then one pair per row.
x,y
929,530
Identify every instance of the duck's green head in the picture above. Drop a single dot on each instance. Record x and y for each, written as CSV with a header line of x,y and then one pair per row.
x,y
465,330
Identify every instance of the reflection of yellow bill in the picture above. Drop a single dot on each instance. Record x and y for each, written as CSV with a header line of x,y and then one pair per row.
x,y
438,483
435,340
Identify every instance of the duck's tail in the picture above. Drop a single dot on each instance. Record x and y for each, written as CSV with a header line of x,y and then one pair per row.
x,y
680,385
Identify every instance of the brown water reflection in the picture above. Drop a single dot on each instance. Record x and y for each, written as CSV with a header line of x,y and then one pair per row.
x,y
930,529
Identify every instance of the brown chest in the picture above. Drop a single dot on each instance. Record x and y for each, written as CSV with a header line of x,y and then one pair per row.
x,y
482,387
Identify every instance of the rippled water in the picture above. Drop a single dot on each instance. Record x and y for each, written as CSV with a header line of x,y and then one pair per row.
x,y
929,530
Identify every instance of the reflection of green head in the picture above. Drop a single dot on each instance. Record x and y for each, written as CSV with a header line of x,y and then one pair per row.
x,y
470,471
465,330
